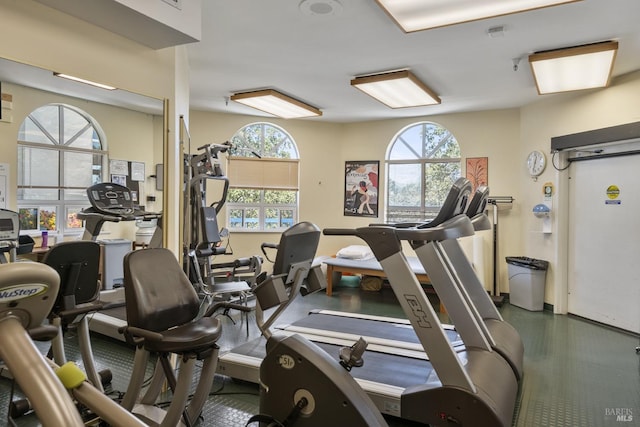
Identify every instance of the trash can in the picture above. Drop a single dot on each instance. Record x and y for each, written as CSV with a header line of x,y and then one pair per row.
x,y
526,282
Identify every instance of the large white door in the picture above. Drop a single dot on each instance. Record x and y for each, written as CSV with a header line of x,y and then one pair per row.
x,y
604,241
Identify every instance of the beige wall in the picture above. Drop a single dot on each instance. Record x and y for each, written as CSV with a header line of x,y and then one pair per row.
x,y
130,135
557,116
504,136
324,147
52,40
38,35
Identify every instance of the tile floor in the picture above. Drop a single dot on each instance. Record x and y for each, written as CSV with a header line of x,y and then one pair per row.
x,y
577,373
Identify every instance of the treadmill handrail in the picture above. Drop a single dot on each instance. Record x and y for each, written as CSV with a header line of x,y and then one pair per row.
x,y
382,247
387,248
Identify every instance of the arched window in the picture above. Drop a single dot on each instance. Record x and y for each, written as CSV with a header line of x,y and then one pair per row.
x,y
263,175
61,152
423,161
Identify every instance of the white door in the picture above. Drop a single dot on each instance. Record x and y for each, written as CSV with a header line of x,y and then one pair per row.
x,y
604,241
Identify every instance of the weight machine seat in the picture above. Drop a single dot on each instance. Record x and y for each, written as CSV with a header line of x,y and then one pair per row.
x,y
162,305
77,263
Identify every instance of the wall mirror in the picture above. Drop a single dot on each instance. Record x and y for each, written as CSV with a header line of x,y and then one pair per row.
x,y
132,124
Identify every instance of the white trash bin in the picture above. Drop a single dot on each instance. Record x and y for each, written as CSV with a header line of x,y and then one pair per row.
x,y
527,278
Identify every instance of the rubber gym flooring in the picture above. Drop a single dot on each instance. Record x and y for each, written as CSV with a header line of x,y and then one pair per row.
x,y
577,373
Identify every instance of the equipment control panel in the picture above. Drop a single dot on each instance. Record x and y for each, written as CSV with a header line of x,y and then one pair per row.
x,y
9,225
111,199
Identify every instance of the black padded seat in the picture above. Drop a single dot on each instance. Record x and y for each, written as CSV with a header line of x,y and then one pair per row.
x,y
77,263
163,318
191,337
162,304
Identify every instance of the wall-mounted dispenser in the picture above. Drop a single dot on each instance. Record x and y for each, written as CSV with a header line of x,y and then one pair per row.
x,y
543,211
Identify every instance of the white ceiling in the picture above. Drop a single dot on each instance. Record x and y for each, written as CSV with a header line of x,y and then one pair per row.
x,y
257,44
249,44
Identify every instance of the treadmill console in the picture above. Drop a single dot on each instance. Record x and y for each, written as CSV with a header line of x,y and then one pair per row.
x,y
9,225
111,199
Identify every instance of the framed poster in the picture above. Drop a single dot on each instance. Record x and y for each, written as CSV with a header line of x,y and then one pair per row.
x,y
478,171
361,188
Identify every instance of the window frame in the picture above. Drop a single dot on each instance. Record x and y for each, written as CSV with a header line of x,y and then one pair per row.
x,y
422,212
62,144
287,179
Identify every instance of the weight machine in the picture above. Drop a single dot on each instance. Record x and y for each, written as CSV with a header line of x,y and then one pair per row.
x,y
203,239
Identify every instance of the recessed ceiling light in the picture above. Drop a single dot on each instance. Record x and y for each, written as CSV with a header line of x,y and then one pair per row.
x,y
320,7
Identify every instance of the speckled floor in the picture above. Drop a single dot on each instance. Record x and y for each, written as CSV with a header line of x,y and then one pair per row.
x,y
577,373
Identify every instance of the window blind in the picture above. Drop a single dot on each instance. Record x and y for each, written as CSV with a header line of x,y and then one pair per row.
x,y
248,172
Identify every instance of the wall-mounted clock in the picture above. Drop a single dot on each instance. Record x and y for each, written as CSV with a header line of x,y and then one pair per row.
x,y
536,162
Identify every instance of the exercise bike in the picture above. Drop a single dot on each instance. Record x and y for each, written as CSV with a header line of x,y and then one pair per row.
x,y
300,384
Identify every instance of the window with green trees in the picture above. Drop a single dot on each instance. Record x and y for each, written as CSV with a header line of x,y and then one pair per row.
x,y
423,161
60,154
265,200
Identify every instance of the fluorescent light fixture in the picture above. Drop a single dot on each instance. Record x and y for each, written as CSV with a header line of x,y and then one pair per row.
x,y
574,68
396,89
89,82
416,15
273,102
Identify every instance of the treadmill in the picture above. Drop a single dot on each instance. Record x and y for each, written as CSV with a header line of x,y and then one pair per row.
x,y
470,294
112,203
396,336
385,335
474,387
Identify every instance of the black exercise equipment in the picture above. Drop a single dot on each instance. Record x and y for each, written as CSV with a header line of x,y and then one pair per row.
x,y
27,293
470,300
163,319
112,202
9,235
229,281
77,264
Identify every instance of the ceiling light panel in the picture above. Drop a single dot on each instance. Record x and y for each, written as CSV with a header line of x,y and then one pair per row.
x,y
416,15
273,102
575,68
398,89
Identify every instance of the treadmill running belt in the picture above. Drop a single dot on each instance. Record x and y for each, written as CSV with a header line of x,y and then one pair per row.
x,y
388,369
367,328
